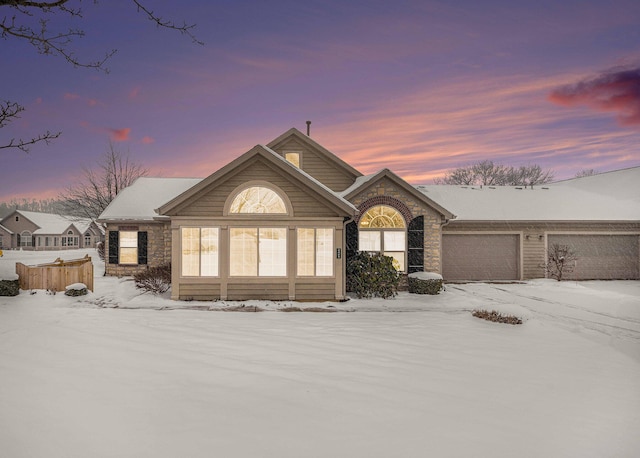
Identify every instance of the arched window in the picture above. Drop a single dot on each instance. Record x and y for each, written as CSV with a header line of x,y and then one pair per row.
x,y
258,199
382,229
26,238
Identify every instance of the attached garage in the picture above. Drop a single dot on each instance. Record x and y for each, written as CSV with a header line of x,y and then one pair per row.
x,y
604,257
483,257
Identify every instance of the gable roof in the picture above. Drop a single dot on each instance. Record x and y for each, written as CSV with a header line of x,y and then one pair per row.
x,y
5,229
139,201
272,158
51,223
310,143
365,181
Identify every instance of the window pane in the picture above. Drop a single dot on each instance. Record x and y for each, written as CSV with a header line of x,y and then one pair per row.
x,y
324,252
258,199
305,252
394,241
129,239
243,249
128,255
294,158
369,240
398,259
209,252
382,216
273,252
190,251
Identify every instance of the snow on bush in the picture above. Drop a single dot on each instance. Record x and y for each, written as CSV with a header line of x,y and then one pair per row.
x,y
76,289
425,283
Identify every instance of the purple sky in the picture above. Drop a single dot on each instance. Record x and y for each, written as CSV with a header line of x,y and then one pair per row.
x,y
419,87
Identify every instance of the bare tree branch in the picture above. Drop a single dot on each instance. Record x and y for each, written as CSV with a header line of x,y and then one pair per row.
x,y
20,26
488,173
184,29
98,187
9,111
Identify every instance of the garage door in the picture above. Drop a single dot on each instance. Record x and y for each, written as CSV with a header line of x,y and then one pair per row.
x,y
601,257
480,257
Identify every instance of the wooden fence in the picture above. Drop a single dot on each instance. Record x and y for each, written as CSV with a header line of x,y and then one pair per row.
x,y
57,275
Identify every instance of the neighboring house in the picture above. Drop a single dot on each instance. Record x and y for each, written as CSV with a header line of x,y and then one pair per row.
x,y
46,231
280,221
5,238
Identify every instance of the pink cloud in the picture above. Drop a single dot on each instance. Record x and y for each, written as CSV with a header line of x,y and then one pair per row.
x,y
120,135
92,102
614,91
71,96
147,140
134,92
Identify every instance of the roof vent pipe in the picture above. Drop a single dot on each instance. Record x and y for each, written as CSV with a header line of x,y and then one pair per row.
x,y
308,128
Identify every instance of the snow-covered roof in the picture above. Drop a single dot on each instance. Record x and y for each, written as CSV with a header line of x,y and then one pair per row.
x,y
51,223
5,229
542,203
139,201
621,184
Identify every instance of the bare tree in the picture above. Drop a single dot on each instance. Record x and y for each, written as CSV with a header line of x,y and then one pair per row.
x,y
586,173
29,21
489,173
98,187
560,260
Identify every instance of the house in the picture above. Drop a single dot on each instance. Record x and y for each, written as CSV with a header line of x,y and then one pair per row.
x,y
280,221
29,230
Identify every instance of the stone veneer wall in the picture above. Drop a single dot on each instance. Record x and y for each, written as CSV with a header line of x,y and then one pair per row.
x,y
158,247
386,192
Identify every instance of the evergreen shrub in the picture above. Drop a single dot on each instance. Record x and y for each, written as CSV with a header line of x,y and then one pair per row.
x,y
372,275
425,283
9,287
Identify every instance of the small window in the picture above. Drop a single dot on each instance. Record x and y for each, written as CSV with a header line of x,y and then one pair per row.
x,y
294,158
128,247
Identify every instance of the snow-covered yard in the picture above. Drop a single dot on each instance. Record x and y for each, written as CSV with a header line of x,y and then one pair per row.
x,y
123,374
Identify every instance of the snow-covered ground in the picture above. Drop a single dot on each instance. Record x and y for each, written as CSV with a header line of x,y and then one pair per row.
x,y
123,374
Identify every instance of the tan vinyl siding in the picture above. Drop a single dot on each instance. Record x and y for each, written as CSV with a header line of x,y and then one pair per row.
x,y
267,290
199,291
211,203
315,291
330,174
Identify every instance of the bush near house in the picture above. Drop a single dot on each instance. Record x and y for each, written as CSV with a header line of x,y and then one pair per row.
x,y
155,279
425,283
372,275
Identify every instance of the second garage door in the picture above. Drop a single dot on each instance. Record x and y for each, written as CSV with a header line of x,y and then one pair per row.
x,y
601,257
483,257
